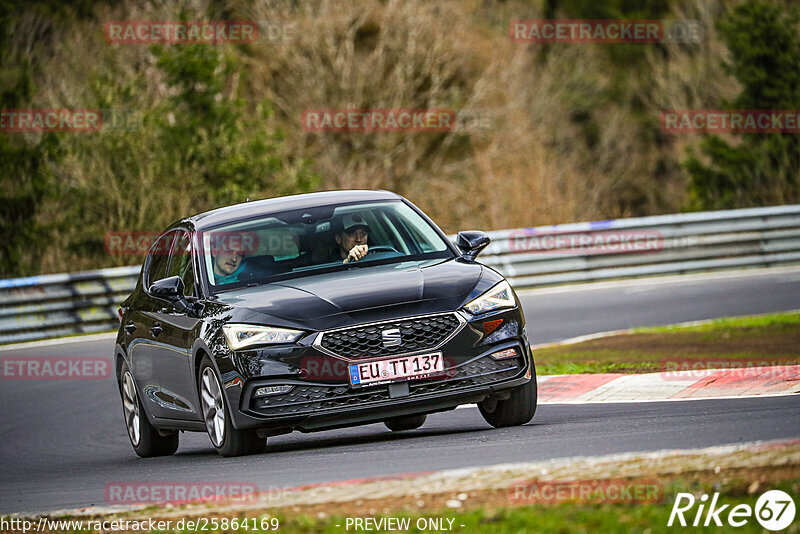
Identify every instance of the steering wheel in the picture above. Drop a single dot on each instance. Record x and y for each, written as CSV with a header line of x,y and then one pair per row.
x,y
381,248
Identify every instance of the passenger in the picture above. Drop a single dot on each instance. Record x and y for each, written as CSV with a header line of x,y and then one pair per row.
x,y
228,265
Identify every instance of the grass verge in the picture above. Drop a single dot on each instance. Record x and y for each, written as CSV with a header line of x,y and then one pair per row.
x,y
495,511
772,339
563,517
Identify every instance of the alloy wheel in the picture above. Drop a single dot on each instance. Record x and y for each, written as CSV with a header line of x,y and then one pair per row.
x,y
130,407
213,406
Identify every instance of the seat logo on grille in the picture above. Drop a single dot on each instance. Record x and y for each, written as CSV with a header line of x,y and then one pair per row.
x,y
391,337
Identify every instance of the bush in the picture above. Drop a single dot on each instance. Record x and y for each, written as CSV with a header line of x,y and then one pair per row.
x,y
754,169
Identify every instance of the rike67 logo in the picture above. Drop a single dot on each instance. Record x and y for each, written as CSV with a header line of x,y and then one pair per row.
x,y
774,510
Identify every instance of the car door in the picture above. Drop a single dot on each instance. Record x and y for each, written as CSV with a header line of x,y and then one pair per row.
x,y
144,322
174,333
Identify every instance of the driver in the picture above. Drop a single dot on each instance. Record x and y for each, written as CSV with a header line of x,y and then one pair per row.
x,y
352,239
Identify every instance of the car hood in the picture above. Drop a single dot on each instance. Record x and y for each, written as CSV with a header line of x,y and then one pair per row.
x,y
356,295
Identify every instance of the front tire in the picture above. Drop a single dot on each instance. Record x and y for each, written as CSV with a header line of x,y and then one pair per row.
x,y
406,422
228,440
517,410
147,441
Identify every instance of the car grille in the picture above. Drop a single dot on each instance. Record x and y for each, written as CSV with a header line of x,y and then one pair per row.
x,y
303,400
417,333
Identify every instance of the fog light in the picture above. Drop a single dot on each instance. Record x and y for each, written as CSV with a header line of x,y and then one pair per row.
x,y
272,390
508,353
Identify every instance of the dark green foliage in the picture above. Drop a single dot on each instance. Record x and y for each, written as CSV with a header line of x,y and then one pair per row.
x,y
758,169
25,183
625,53
204,128
199,147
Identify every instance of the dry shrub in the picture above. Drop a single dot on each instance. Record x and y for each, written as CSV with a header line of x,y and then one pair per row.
x,y
529,160
417,54
107,181
687,76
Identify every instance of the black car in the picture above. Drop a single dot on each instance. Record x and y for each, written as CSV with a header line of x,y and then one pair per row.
x,y
313,312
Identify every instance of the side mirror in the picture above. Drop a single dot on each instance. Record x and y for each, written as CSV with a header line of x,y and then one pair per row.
x,y
471,243
172,289
168,288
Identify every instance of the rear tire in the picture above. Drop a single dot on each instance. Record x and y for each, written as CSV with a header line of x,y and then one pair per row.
x,y
517,410
147,441
405,422
228,440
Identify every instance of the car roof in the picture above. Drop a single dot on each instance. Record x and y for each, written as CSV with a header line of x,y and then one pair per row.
x,y
294,202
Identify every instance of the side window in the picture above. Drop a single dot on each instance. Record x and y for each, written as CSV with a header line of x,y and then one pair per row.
x,y
158,258
181,263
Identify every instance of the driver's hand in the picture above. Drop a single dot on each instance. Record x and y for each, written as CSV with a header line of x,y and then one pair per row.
x,y
356,253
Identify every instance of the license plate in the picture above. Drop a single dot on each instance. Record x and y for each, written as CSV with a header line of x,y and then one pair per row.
x,y
405,368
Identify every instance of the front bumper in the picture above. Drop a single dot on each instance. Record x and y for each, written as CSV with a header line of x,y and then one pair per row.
x,y
326,400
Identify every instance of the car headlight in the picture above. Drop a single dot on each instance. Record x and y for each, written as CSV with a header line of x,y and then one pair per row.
x,y
243,335
498,297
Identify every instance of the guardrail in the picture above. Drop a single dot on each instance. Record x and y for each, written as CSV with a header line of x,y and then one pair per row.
x,y
665,244
40,307
54,305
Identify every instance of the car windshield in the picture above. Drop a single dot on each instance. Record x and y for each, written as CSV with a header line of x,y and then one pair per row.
x,y
312,241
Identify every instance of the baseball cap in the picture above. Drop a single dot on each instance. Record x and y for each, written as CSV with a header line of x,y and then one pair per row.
x,y
352,220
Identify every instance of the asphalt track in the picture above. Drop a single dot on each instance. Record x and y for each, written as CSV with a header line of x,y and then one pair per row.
x,y
63,441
